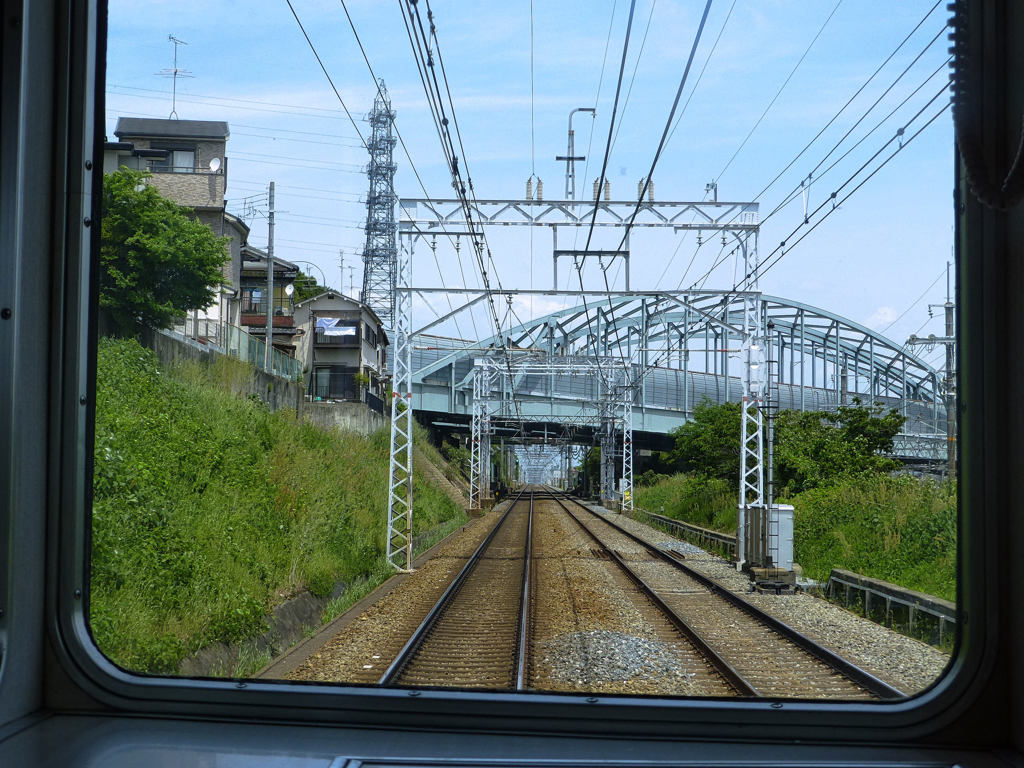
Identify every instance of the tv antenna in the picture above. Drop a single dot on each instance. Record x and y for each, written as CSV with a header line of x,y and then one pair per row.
x,y
174,73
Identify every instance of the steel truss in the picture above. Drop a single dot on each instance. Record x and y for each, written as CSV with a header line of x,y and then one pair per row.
x,y
380,250
423,217
822,359
399,538
494,379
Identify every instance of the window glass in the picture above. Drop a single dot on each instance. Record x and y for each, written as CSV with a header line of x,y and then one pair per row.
x,y
665,308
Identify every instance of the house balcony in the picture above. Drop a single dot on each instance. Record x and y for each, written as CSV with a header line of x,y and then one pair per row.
x,y
255,313
323,338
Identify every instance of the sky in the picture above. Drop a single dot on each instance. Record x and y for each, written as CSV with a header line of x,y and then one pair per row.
x,y
767,77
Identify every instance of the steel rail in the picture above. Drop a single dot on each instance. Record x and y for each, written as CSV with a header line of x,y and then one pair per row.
x,y
418,637
740,684
847,668
524,604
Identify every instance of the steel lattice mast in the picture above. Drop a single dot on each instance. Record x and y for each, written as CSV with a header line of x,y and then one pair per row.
x,y
380,252
399,543
753,513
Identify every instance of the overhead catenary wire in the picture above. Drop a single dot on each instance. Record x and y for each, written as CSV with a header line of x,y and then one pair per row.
x,y
916,301
798,188
779,252
412,166
461,178
779,92
852,98
661,143
597,99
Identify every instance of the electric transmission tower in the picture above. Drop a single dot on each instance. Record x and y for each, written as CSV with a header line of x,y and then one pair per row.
x,y
381,251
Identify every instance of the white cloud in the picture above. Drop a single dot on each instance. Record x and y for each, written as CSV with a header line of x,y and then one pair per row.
x,y
881,317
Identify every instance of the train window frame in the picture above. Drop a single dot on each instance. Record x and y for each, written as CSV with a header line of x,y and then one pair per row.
x,y
79,676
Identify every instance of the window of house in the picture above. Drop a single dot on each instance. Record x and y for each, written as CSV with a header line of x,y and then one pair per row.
x,y
252,300
178,160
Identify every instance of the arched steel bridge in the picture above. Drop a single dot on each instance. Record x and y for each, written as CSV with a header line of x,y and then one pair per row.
x,y
686,344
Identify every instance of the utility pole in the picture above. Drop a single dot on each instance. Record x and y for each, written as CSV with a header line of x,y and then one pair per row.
x,y
949,394
951,388
341,265
270,283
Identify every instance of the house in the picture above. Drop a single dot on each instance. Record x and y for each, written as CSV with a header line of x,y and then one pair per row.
x,y
253,293
188,164
342,337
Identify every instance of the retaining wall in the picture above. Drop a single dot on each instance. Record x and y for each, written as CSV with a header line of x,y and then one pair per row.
x,y
277,392
352,417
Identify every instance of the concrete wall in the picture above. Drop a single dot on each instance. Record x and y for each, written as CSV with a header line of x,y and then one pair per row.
x,y
352,417
278,393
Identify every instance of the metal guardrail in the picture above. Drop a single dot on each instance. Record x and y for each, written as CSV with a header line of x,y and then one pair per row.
x,y
702,537
903,608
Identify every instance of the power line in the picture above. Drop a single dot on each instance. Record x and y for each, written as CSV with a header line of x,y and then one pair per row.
x,y
590,140
833,199
916,301
412,165
700,76
779,252
779,92
213,101
800,188
853,97
636,66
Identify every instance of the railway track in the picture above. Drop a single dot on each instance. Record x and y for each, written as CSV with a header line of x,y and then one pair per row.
x,y
756,653
476,635
481,632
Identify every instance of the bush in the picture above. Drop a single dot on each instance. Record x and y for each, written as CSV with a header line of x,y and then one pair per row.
x,y
709,502
899,529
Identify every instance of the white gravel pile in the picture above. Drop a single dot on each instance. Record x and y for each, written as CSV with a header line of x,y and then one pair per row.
x,y
600,656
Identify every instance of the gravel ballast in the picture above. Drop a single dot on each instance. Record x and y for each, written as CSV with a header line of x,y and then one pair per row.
x,y
594,633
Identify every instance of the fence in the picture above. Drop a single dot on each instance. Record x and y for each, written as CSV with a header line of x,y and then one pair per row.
x,y
203,330
912,613
722,543
240,344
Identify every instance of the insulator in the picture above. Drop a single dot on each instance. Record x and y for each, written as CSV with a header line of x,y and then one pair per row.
x,y
650,191
529,189
597,187
607,190
540,189
640,189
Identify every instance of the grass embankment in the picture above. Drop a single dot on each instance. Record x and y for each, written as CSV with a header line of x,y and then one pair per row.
x,y
899,529
208,509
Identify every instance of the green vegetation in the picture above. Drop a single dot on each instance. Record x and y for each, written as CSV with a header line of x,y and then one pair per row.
x,y
709,502
900,529
850,512
812,448
307,286
208,509
458,458
156,263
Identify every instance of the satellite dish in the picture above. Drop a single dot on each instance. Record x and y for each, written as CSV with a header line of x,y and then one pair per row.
x,y
215,165
289,289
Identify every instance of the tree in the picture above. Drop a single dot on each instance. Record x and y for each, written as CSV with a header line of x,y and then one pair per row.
x,y
710,443
306,287
156,263
814,449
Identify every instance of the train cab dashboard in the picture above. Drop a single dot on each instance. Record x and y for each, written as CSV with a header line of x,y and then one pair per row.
x,y
63,703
